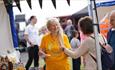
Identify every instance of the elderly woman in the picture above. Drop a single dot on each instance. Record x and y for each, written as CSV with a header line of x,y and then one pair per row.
x,y
51,44
111,35
87,46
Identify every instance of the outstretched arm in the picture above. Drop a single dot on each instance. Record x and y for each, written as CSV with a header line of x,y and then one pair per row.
x,y
78,52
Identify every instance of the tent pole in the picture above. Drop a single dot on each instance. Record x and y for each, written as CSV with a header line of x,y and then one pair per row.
x,y
93,14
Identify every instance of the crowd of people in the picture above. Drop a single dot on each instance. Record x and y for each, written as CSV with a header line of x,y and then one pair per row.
x,y
57,45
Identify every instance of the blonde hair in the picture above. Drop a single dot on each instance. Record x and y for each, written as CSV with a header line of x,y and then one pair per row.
x,y
51,21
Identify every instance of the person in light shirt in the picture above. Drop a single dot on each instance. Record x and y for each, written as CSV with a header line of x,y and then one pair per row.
x,y
75,43
32,38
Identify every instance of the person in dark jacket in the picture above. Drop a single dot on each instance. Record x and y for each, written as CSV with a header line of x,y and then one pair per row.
x,y
111,35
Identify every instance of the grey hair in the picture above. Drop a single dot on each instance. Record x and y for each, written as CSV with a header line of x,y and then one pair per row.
x,y
69,21
111,13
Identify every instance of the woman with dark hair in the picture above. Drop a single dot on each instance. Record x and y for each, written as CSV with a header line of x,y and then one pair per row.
x,y
32,38
87,46
111,35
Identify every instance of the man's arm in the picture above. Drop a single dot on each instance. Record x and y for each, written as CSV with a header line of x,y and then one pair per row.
x,y
26,38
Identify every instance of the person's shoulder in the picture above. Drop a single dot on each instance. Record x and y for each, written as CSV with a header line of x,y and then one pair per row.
x,y
88,40
28,26
64,35
77,40
74,39
46,35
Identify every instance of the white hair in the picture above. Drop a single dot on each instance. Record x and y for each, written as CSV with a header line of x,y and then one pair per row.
x,y
111,13
69,21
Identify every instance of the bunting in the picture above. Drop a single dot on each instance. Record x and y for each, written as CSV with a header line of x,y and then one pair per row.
x,y
18,4
68,1
40,2
10,2
54,3
29,3
7,3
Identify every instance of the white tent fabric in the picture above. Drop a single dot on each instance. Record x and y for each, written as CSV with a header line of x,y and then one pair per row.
x,y
47,11
5,31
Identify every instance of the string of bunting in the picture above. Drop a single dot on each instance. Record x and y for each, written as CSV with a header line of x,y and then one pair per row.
x,y
10,2
18,4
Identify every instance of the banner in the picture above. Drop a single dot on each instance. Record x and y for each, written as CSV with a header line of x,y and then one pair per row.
x,y
12,24
104,25
106,3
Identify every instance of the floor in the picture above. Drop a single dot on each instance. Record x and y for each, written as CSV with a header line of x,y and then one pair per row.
x,y
24,58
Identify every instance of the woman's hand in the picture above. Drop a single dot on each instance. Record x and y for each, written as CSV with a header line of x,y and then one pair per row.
x,y
108,48
43,54
62,47
47,55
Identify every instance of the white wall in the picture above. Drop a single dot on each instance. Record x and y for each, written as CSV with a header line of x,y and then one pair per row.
x,y
5,31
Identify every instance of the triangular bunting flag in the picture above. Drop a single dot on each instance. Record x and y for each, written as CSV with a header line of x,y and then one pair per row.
x,y
68,1
40,2
18,4
29,3
7,3
54,3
